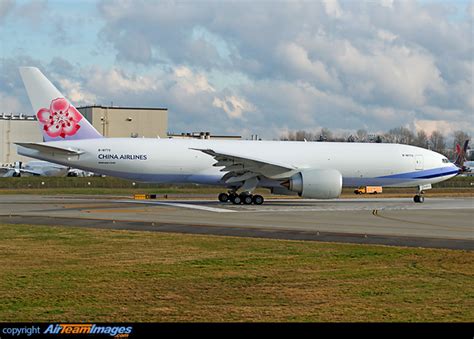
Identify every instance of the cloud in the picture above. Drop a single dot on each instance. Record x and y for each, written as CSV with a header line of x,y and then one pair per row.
x,y
296,60
5,7
233,106
446,127
191,82
75,93
332,8
10,104
260,69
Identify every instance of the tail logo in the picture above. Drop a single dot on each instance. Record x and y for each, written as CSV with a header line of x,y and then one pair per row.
x,y
61,119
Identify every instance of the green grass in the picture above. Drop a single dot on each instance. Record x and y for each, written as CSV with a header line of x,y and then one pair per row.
x,y
76,274
115,186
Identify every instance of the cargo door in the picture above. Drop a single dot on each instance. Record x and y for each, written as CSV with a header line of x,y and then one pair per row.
x,y
419,163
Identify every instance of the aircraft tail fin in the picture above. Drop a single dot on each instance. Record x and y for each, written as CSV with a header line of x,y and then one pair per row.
x,y
461,154
58,118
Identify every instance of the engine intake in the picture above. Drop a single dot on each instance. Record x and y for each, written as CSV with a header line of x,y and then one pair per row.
x,y
316,183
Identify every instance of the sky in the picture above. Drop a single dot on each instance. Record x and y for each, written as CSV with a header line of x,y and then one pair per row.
x,y
251,67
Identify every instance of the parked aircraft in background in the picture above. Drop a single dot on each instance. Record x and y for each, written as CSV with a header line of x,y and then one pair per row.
x,y
37,168
468,168
311,169
41,168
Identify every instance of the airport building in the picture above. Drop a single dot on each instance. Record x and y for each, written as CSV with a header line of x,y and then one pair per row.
x,y
203,135
16,128
127,122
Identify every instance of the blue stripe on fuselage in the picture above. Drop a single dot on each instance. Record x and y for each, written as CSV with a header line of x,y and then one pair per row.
x,y
424,174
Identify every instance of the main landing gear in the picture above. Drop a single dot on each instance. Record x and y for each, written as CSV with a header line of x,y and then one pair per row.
x,y
242,198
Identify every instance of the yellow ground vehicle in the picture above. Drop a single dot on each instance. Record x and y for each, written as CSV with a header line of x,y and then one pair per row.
x,y
368,190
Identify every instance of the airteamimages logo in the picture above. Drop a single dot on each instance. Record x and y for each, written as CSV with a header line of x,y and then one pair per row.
x,y
114,331
68,329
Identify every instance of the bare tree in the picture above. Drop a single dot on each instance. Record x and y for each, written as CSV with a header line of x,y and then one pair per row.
x,y
304,135
325,135
362,135
298,136
401,135
421,139
289,136
460,137
437,141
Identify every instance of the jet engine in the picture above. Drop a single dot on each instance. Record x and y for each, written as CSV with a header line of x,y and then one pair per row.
x,y
316,183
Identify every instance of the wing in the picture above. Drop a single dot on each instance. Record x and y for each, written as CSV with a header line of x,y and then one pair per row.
x,y
6,171
241,167
22,170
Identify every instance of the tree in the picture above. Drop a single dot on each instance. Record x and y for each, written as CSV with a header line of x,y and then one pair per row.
x,y
378,139
303,135
401,135
421,139
298,136
437,141
459,138
362,135
325,135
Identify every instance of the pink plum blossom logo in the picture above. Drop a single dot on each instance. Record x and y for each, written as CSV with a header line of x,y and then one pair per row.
x,y
60,119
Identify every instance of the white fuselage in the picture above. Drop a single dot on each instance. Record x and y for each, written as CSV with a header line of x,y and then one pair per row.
x,y
175,160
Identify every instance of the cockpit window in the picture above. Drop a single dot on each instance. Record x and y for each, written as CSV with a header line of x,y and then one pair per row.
x,y
445,161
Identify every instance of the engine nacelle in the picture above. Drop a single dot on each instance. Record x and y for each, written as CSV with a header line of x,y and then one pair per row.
x,y
282,191
316,183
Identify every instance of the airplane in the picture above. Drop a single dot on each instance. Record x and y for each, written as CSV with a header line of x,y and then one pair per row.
x,y
461,158
42,169
34,168
469,165
316,170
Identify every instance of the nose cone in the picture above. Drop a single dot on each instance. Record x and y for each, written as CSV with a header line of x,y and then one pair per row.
x,y
451,170
455,168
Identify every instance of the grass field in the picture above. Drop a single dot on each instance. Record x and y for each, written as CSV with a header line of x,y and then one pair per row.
x,y
458,186
77,274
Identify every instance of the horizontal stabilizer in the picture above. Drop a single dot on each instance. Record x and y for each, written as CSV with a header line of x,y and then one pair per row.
x,y
49,149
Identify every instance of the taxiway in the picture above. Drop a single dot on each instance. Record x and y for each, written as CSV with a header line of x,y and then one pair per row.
x,y
439,222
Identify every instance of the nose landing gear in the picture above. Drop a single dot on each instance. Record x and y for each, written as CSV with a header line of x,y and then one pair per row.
x,y
419,198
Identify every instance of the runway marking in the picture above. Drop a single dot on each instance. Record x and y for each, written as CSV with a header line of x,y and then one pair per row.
x,y
199,205
132,210
191,206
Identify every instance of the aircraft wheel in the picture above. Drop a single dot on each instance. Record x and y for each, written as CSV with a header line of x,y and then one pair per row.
x,y
246,199
257,199
237,200
419,198
223,197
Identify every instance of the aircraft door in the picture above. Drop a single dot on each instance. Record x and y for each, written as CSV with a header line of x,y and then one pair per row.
x,y
419,162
